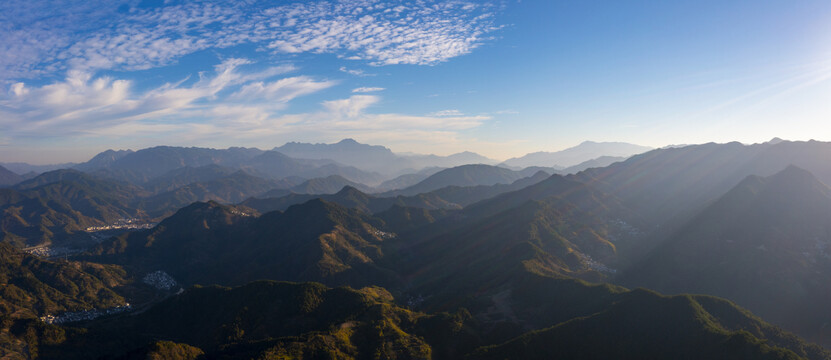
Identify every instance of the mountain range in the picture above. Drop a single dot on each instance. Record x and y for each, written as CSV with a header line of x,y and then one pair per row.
x,y
314,241
583,152
473,261
59,205
502,304
367,164
764,244
466,175
377,158
448,197
267,319
9,178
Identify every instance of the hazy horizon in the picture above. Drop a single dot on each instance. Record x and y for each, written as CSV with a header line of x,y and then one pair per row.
x,y
83,158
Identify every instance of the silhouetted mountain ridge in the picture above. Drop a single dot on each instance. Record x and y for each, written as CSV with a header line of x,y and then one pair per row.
x,y
316,240
465,175
583,152
764,244
9,178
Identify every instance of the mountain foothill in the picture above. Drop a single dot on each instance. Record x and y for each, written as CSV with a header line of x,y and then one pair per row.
x,y
351,251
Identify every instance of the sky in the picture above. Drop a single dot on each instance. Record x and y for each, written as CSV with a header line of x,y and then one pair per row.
x,y
501,78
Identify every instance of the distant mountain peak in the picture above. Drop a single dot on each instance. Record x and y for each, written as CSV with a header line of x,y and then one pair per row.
x,y
272,154
115,152
7,177
793,169
541,173
104,159
794,176
315,208
585,151
200,206
348,189
315,203
203,215
792,183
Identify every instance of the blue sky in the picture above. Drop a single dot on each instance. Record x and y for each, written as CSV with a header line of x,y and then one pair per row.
x,y
502,78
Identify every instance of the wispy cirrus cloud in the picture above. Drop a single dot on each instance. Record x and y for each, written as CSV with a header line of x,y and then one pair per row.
x,y
450,112
367,89
386,33
355,72
229,105
350,117
43,37
283,90
257,125
84,104
36,34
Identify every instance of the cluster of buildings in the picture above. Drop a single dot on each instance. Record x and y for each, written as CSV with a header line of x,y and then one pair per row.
x,y
159,280
240,213
52,251
594,265
383,234
74,316
123,224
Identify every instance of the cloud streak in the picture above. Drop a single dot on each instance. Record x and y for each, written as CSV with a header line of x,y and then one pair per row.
x,y
230,106
367,89
355,72
350,117
82,104
450,112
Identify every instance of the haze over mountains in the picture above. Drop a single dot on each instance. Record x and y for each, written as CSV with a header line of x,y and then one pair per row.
x,y
9,178
153,183
473,260
764,244
586,151
133,165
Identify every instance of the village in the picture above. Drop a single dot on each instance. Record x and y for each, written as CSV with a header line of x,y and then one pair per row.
x,y
85,315
123,224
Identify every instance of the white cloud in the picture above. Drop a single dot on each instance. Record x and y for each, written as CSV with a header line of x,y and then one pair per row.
x,y
82,104
367,89
350,118
228,104
35,33
451,112
350,107
349,115
19,89
45,37
52,105
388,33
356,72
283,90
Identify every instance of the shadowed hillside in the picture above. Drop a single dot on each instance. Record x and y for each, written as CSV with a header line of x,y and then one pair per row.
x,y
317,241
30,286
764,244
